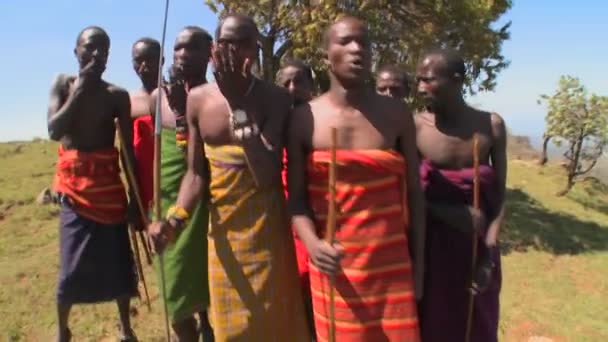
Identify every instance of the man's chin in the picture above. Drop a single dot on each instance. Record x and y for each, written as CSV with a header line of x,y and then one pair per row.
x,y
148,79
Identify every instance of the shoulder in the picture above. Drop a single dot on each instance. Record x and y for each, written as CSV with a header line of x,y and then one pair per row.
x,y
424,119
279,95
139,95
499,129
394,109
117,91
63,78
301,121
497,121
61,82
203,92
494,120
314,108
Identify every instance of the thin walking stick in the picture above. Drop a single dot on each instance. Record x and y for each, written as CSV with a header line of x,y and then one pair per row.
x,y
132,182
331,230
157,206
474,233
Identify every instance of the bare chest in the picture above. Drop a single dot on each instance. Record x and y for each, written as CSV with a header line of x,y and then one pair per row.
x,y
451,151
93,125
216,120
140,105
354,131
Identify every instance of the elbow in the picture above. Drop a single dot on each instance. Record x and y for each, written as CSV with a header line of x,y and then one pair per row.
x,y
53,134
54,129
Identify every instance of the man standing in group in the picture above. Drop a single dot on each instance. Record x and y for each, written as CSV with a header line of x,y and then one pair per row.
x,y
377,260
445,135
96,263
235,144
296,77
392,81
185,261
145,55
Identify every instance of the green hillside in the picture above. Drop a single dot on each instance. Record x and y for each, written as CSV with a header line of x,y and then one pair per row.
x,y
555,257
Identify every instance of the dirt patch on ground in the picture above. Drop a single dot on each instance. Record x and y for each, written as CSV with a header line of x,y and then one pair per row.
x,y
527,331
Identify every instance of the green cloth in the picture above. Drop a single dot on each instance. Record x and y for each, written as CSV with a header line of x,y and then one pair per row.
x,y
186,280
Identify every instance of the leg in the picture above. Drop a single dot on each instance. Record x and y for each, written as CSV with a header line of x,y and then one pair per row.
x,y
124,305
205,327
186,330
63,314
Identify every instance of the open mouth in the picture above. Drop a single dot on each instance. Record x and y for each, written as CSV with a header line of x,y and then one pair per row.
x,y
356,64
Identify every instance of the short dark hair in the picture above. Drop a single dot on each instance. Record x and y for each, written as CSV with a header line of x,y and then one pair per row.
x,y
339,19
395,70
298,64
245,18
199,31
454,62
148,41
92,28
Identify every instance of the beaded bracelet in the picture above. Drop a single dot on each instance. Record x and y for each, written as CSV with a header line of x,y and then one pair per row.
x,y
177,214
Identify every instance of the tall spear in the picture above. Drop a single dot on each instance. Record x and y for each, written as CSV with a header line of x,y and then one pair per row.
x,y
157,131
474,233
331,230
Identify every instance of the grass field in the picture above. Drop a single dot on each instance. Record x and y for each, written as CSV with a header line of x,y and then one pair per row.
x,y
555,259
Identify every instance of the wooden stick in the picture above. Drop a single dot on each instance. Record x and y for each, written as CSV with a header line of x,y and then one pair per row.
x,y
132,182
157,142
147,249
474,233
139,267
133,240
331,229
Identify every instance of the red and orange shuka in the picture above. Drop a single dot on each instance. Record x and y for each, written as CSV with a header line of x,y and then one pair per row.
x,y
374,291
92,182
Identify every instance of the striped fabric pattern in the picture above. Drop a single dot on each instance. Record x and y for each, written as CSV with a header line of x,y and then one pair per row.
x,y
92,181
252,267
374,297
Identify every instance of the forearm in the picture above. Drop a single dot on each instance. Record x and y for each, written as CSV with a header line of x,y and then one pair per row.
x,y
417,238
494,228
190,191
305,228
59,122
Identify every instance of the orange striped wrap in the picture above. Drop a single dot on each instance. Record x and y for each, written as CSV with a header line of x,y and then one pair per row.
x,y
374,297
92,181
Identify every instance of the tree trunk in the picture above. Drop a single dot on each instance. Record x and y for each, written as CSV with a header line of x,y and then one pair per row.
x,y
569,185
543,158
573,167
268,62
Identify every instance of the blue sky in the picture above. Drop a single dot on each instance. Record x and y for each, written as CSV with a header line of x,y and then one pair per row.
x,y
548,38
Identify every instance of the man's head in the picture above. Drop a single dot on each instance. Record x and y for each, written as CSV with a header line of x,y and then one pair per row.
x,y
392,81
145,55
192,51
237,35
440,77
348,51
93,46
296,77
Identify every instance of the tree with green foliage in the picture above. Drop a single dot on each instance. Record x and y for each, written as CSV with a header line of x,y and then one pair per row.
x,y
400,31
580,120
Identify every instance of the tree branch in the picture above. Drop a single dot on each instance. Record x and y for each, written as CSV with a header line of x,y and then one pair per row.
x,y
582,172
287,44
